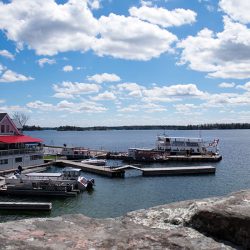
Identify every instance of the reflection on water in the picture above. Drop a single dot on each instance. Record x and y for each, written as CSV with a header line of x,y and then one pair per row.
x,y
115,197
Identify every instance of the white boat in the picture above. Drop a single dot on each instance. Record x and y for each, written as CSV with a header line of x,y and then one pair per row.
x,y
93,161
167,146
66,181
186,145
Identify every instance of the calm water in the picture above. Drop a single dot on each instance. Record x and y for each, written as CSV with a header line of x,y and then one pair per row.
x,y
115,197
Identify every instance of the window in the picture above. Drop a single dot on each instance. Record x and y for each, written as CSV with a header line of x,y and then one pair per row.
x,y
2,129
7,128
35,157
4,161
19,159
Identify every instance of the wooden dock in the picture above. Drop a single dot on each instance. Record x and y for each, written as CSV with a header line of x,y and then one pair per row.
x,y
195,158
100,170
120,171
36,192
179,171
41,206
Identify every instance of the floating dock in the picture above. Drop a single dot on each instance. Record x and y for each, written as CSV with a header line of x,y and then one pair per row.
x,y
179,171
120,171
100,170
26,206
36,192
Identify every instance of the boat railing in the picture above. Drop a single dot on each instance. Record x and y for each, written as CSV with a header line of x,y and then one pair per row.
x,y
20,151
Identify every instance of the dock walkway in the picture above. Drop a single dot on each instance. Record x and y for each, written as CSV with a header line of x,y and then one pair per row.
x,y
101,170
41,206
120,171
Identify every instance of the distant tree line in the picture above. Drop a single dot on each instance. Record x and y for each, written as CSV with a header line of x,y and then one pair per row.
x,y
166,127
31,128
146,127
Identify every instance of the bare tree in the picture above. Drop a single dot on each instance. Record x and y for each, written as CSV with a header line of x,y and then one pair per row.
x,y
22,118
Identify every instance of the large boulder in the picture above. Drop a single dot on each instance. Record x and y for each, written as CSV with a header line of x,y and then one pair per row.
x,y
213,223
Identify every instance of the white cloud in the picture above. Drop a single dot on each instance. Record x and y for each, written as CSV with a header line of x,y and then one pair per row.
x,y
70,89
94,4
172,93
48,27
185,108
13,108
72,107
11,76
222,55
104,96
40,105
105,77
43,61
133,89
246,86
130,108
237,10
130,38
226,85
164,17
232,99
67,68
7,54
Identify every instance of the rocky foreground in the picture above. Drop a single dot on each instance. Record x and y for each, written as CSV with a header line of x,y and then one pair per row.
x,y
214,223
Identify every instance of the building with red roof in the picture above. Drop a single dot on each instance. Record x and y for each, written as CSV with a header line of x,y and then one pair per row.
x,y
17,149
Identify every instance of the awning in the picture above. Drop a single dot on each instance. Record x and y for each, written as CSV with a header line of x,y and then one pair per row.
x,y
18,139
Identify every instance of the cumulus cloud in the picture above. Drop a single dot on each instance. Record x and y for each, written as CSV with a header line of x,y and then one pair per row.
x,y
163,17
48,27
223,55
237,10
133,89
226,85
131,38
10,76
105,77
72,107
70,89
94,4
172,93
7,54
43,61
67,68
246,86
13,108
104,96
40,105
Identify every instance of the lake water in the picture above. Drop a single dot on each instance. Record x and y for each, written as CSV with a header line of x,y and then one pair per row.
x,y
115,197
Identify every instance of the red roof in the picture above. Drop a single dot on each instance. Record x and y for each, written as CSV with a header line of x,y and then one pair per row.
x,y
18,139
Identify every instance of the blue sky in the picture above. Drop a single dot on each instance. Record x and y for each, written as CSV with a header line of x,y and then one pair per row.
x,y
110,62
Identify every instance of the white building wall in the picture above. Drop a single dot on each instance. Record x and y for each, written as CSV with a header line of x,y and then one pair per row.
x,y
26,161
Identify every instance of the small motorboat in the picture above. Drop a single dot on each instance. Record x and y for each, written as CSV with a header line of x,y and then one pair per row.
x,y
85,184
96,162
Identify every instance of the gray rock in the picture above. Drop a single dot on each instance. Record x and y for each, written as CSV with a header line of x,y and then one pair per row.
x,y
214,223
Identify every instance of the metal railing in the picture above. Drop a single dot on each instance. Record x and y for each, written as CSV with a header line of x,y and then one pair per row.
x,y
20,151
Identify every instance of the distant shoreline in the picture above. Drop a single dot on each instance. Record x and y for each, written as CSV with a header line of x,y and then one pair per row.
x,y
145,127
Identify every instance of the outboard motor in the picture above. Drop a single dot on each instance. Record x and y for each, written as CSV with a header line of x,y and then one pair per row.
x,y
90,184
